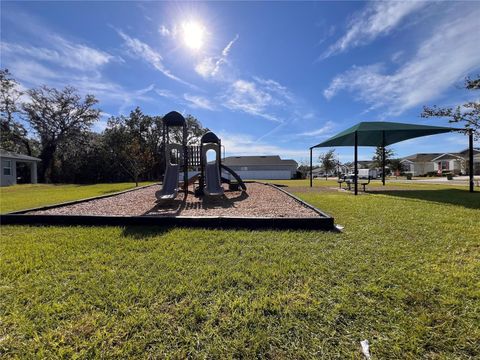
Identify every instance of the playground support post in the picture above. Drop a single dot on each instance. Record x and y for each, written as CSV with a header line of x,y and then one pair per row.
x,y
185,159
470,159
383,157
311,175
355,172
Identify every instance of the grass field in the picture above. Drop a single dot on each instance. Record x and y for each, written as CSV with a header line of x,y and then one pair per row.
x,y
404,274
21,197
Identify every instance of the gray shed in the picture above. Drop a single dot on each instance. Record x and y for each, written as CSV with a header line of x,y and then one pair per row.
x,y
10,160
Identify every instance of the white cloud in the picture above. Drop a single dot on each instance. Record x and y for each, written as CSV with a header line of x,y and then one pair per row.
x,y
324,130
451,53
211,67
248,97
243,144
198,102
143,51
62,52
379,18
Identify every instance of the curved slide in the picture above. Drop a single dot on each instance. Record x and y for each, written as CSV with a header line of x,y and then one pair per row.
x,y
213,185
170,183
235,175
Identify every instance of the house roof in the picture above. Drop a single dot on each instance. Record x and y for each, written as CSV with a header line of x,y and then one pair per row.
x,y
257,160
422,157
449,156
12,155
464,152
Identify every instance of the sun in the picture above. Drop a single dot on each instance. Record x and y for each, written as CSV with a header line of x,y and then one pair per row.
x,y
193,35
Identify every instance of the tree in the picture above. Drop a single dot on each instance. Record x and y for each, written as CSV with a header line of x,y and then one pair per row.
x,y
378,156
58,115
396,166
468,113
13,135
328,161
129,142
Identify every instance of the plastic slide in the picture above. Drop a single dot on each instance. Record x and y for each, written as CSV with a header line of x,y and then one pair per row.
x,y
170,183
213,185
235,175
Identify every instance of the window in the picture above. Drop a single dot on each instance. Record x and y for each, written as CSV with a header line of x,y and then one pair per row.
x,y
7,167
244,168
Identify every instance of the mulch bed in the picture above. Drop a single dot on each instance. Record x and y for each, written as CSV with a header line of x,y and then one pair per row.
x,y
259,201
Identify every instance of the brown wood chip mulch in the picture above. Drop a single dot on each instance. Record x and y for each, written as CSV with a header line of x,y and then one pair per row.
x,y
259,201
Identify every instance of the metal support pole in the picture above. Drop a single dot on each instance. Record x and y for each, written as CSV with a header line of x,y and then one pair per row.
x,y
185,159
311,175
383,158
355,174
470,159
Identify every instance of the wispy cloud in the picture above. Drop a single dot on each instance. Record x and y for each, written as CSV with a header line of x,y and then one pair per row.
x,y
243,144
322,131
449,54
143,51
377,19
210,67
249,97
198,102
62,52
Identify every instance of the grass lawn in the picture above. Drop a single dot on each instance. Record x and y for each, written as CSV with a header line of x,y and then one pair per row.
x,y
404,274
21,197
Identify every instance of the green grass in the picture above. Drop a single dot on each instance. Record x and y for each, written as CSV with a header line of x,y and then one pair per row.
x,y
20,197
404,274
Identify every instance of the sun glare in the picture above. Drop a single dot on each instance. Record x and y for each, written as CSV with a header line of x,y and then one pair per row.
x,y
193,35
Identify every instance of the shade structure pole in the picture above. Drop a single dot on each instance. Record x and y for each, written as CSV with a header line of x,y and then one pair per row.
x,y
355,174
470,159
383,157
311,175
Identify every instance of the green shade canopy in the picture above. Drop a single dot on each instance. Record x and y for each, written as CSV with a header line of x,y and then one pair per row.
x,y
382,133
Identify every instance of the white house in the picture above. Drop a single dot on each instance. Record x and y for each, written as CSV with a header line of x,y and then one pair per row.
x,y
9,162
419,164
456,163
261,167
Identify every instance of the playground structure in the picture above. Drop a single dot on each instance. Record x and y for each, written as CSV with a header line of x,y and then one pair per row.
x,y
207,176
266,206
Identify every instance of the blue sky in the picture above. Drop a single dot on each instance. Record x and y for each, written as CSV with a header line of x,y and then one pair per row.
x,y
268,78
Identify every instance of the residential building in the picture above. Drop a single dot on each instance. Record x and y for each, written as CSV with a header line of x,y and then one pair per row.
x,y
12,164
261,167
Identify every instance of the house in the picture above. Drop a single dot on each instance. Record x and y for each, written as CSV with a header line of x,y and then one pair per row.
x,y
419,164
261,167
17,167
457,163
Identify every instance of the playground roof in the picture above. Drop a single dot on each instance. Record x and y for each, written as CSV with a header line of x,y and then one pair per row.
x,y
382,133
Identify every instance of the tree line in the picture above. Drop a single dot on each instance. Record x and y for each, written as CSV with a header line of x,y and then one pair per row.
x,y
56,126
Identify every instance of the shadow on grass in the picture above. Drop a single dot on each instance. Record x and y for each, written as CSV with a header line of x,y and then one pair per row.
x,y
144,232
445,196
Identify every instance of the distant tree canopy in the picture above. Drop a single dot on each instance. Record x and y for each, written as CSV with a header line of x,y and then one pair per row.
x,y
58,116
378,156
468,114
328,162
59,132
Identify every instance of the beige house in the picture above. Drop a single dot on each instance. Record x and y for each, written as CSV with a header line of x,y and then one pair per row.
x,y
456,163
10,162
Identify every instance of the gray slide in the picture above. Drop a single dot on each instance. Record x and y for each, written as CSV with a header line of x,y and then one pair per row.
x,y
170,183
213,185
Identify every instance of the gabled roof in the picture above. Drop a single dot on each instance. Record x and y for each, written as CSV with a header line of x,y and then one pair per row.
x,y
448,156
464,152
12,155
257,160
422,157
